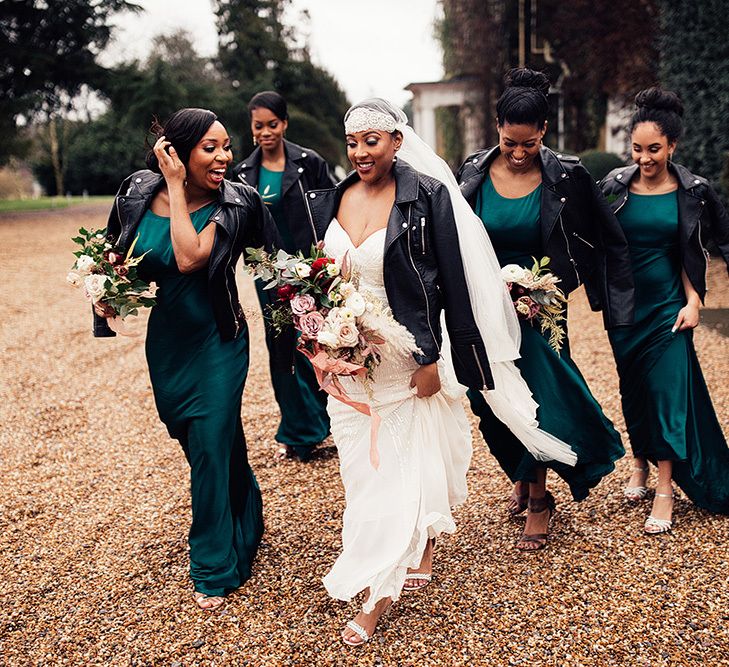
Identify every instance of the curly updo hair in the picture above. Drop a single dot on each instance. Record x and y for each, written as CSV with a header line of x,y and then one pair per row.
x,y
662,107
524,101
271,100
183,129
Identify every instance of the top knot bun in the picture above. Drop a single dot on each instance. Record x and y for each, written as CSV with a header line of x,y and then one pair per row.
x,y
523,77
657,99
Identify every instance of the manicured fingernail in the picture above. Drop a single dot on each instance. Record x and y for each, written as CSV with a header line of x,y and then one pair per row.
x,y
673,330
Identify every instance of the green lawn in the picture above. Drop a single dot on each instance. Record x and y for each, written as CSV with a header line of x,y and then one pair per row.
x,y
47,202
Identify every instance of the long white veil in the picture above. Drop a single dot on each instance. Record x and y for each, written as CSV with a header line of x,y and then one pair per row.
x,y
511,400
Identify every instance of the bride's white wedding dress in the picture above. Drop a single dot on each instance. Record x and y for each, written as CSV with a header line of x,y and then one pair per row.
x,y
424,452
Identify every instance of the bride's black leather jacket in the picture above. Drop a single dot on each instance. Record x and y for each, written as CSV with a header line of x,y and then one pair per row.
x,y
242,221
423,272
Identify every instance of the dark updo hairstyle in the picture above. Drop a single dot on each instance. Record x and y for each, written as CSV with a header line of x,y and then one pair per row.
x,y
183,130
524,101
662,107
271,100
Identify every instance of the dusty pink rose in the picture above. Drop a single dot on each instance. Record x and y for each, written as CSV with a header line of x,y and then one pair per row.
x,y
310,324
349,335
302,304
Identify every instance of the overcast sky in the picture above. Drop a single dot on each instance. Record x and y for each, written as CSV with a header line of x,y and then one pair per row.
x,y
372,47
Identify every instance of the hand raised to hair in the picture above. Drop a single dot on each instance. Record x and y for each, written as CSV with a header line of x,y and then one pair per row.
x,y
169,162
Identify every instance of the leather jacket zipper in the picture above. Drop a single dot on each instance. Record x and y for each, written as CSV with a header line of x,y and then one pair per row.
x,y
308,211
478,363
422,235
576,235
422,285
227,289
705,253
569,251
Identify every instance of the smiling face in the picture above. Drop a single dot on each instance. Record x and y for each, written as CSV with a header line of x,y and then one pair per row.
x,y
267,128
651,150
520,144
371,153
209,159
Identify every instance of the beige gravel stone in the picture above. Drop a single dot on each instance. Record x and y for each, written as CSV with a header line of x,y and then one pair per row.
x,y
94,510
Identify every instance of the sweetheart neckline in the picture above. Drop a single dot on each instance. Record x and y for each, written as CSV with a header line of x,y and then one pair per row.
x,y
349,238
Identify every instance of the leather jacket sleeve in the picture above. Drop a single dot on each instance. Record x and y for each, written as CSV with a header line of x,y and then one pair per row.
x,y
719,221
470,361
610,288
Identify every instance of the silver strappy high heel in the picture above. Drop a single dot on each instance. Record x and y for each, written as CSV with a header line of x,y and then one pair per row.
x,y
655,526
636,493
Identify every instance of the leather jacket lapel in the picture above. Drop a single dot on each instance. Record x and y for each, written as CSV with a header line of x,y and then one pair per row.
x,y
248,170
552,200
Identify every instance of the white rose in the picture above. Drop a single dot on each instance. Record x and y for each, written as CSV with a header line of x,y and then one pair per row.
x,y
332,270
73,278
513,273
346,290
95,286
84,264
328,338
107,246
302,270
356,303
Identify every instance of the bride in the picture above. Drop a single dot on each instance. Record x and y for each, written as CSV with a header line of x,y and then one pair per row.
x,y
418,246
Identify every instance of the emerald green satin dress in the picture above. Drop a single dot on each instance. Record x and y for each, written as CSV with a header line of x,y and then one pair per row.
x,y
666,403
198,382
567,408
303,405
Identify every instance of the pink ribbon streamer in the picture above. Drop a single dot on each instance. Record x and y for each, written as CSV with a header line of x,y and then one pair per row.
x,y
327,371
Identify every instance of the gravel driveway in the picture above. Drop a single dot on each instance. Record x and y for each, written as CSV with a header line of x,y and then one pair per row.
x,y
94,511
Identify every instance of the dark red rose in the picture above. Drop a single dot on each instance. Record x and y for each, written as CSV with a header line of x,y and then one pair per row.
x,y
318,264
114,255
121,270
286,292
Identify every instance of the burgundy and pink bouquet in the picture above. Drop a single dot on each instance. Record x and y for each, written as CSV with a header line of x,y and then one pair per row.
x,y
342,329
537,298
109,278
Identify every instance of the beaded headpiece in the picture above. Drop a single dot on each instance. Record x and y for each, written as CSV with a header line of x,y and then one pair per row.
x,y
364,118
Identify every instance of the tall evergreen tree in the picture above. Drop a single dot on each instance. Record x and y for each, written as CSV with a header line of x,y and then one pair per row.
x,y
695,64
257,52
47,52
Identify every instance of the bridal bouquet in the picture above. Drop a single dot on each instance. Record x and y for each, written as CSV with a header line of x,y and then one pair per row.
x,y
109,278
537,298
342,329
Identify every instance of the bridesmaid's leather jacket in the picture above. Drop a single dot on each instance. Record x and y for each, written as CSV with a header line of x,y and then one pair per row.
x,y
701,216
580,234
242,221
423,272
304,170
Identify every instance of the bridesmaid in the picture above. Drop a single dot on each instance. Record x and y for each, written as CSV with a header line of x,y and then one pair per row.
x,y
536,203
193,225
667,214
282,172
